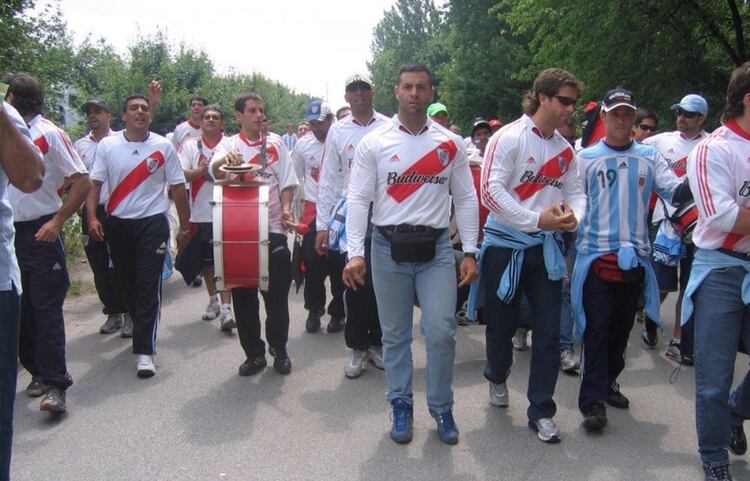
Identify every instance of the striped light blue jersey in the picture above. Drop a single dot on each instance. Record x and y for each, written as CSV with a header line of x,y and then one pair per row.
x,y
618,185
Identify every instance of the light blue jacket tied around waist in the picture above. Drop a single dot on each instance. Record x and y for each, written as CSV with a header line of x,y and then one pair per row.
x,y
500,235
627,259
704,262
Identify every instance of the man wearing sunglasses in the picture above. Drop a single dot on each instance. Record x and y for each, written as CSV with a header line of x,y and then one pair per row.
x,y
646,122
673,276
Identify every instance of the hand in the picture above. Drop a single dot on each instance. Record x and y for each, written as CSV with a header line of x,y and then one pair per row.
x,y
287,219
554,218
468,271
182,240
233,157
96,231
354,272
49,231
321,242
154,90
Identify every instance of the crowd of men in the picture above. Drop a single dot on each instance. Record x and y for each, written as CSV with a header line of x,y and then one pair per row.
x,y
572,241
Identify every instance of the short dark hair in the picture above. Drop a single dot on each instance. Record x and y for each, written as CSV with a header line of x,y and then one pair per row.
x,y
239,102
645,113
213,108
200,99
415,67
28,94
548,82
739,86
341,109
133,97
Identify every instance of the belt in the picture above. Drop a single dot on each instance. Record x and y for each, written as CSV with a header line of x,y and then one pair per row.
x,y
408,228
739,255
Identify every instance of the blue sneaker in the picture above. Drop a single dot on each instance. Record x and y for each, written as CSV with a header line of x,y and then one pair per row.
x,y
403,418
446,426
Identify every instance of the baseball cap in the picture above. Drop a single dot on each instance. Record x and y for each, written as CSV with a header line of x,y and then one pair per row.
x,y
479,122
358,78
692,103
618,98
436,108
495,123
317,110
95,103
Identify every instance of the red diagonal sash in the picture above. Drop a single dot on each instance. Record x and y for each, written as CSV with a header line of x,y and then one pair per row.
x,y
41,142
136,176
553,168
429,164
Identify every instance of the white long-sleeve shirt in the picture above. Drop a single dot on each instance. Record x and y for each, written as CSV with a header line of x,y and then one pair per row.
x,y
306,156
524,173
341,142
411,179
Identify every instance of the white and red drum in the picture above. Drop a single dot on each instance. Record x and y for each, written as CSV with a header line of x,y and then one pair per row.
x,y
476,173
240,217
684,220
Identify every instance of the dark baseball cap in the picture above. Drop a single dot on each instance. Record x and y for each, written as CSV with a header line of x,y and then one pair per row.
x,y
617,98
95,103
479,122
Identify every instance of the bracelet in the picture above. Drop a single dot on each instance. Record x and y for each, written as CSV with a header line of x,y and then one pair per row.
x,y
91,218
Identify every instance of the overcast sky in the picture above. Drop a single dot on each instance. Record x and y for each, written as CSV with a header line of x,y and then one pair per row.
x,y
310,46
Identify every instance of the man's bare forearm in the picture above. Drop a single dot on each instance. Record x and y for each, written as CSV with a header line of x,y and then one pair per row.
x,y
21,161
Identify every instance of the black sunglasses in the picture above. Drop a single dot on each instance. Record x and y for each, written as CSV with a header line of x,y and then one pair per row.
x,y
566,101
686,114
651,128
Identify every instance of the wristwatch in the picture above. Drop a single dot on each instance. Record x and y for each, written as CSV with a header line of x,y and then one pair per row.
x,y
473,255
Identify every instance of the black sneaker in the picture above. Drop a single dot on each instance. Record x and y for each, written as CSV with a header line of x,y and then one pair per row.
x,y
649,334
336,324
253,366
617,399
313,321
54,401
281,362
738,442
595,417
718,473
36,387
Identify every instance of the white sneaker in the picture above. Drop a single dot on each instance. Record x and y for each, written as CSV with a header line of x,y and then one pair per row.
x,y
356,363
376,356
520,342
146,367
546,430
212,310
568,362
499,394
227,320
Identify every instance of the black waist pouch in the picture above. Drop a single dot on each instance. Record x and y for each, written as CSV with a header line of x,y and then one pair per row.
x,y
412,244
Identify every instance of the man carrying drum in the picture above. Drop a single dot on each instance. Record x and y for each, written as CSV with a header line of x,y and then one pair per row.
x,y
249,146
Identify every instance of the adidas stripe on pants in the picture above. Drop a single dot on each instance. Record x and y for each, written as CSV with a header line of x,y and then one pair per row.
x,y
137,248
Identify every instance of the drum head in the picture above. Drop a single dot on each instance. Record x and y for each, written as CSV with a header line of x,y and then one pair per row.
x,y
241,168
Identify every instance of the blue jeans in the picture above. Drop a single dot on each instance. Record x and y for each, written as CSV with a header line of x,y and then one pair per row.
x,y
9,325
434,285
722,320
503,319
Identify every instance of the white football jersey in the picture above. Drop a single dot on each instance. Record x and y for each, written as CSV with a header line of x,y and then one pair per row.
x,y
86,148
184,132
307,156
201,189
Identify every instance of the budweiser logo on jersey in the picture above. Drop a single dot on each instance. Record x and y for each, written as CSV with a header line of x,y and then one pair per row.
x,y
415,178
679,166
548,175
541,179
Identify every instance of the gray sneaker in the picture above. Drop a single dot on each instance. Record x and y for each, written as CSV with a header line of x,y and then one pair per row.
x,y
113,323
499,394
375,354
213,309
356,363
568,362
127,326
520,342
227,321
546,430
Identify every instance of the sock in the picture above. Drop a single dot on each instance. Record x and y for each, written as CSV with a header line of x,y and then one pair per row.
x,y
226,307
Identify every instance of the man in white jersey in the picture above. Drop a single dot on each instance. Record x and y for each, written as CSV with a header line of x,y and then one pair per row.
x,y
410,169
675,147
191,128
531,186
307,155
195,157
289,138
98,118
613,264
362,330
21,165
39,218
246,147
138,165
717,294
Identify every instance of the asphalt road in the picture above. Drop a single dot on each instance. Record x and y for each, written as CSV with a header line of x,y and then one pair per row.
x,y
198,420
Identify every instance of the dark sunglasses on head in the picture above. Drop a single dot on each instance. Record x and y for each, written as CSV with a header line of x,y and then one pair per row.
x,y
651,128
686,114
566,101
